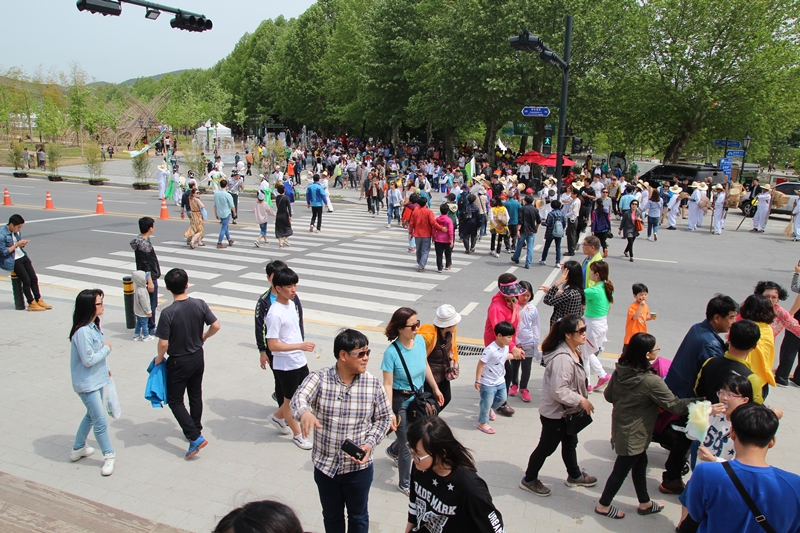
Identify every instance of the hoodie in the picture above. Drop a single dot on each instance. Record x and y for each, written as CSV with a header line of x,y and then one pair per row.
x,y
141,296
500,311
637,396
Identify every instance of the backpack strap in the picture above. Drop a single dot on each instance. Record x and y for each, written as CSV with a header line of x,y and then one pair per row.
x,y
405,367
760,518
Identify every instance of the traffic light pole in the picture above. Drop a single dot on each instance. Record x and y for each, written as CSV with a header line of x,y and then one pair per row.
x,y
562,112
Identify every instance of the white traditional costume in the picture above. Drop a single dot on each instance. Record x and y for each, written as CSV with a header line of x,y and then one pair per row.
x,y
674,206
719,210
762,209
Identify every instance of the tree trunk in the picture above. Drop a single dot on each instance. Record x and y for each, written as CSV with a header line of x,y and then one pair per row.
x,y
523,144
428,133
489,141
396,135
679,142
449,138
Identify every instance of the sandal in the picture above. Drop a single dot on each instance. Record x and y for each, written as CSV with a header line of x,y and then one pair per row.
x,y
489,430
654,508
613,512
191,245
201,244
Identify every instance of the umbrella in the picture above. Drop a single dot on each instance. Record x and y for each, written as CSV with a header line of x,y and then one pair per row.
x,y
550,161
531,156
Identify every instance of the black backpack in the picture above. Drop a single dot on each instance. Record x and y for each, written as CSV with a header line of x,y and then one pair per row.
x,y
463,206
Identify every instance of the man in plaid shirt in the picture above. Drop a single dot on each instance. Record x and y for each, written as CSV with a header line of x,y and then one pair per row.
x,y
339,403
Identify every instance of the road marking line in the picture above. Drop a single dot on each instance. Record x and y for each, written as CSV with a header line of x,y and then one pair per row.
x,y
372,261
182,261
116,232
350,289
540,294
129,266
307,272
469,308
511,270
342,249
211,255
58,218
492,286
44,279
401,275
223,254
656,260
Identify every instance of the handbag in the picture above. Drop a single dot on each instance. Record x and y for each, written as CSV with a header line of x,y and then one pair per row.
x,y
452,371
204,213
423,405
577,422
639,225
759,516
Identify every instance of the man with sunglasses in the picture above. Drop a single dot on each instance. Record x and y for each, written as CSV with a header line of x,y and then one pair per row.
x,y
340,403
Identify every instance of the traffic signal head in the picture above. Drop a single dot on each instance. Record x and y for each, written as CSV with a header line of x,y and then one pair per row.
x,y
191,22
577,144
103,7
547,140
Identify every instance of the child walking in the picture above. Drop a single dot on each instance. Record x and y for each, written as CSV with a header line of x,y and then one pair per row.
x,y
141,306
638,314
443,240
261,209
490,375
528,340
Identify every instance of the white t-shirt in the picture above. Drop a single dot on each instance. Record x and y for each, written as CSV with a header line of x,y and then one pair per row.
x,y
284,324
718,439
18,253
494,371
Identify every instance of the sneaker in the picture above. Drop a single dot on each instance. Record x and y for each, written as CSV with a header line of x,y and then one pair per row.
x,y
392,456
137,337
505,410
148,338
280,424
526,395
589,388
655,236
257,245
584,481
220,245
542,263
108,464
535,486
513,390
301,442
781,382
676,486
33,306
230,242
516,261
602,382
405,489
195,446
43,304
77,455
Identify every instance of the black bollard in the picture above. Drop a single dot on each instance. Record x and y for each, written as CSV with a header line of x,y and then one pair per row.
x,y
127,288
16,288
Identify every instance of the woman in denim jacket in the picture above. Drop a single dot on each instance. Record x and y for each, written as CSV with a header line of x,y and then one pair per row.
x,y
90,373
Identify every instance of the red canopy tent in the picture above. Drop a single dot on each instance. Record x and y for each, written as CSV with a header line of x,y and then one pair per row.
x,y
531,156
550,161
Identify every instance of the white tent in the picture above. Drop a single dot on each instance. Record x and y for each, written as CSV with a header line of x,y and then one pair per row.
x,y
219,131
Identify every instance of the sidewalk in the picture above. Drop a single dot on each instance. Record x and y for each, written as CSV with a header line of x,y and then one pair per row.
x,y
247,459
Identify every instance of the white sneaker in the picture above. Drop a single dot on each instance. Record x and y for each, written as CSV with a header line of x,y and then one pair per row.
x,y
77,455
300,442
148,338
280,424
137,337
108,464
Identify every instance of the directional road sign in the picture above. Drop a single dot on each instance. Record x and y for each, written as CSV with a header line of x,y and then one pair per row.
x,y
731,144
735,153
726,164
531,111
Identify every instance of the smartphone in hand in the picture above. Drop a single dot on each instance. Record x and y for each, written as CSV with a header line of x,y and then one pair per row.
x,y
353,450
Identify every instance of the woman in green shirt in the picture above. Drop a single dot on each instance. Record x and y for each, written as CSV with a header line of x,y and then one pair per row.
x,y
599,298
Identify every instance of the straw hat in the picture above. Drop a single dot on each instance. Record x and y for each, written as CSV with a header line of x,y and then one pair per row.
x,y
694,185
446,316
675,189
718,187
702,187
766,187
521,187
502,180
163,167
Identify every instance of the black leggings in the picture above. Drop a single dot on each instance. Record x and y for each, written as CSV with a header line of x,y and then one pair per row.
x,y
526,371
469,235
603,236
23,268
499,239
554,432
788,354
637,466
629,248
444,388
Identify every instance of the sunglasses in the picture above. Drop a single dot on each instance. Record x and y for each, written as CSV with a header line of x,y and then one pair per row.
x,y
582,330
362,354
413,326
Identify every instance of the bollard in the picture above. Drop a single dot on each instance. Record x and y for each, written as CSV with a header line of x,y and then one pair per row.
x,y
16,288
127,288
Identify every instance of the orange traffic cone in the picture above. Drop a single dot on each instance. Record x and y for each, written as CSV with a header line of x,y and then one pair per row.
x,y
6,197
48,203
164,212
100,209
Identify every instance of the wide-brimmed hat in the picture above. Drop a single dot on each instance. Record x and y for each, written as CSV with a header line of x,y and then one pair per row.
x,y
446,316
718,186
502,180
766,187
694,185
521,187
512,289
163,167
702,187
675,189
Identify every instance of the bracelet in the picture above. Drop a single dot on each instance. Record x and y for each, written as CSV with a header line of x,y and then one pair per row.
x,y
477,383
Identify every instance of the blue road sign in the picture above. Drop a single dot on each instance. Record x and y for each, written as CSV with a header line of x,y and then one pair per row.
x,y
531,111
731,144
726,164
735,153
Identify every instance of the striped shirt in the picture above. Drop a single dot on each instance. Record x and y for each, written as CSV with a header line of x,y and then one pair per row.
x,y
359,412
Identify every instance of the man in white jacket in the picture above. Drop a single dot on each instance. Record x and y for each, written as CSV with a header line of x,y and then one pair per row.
x,y
673,207
762,209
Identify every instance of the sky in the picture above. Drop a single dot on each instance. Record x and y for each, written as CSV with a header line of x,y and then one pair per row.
x,y
53,33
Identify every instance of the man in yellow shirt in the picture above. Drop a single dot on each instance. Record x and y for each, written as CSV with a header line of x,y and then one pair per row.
x,y
593,250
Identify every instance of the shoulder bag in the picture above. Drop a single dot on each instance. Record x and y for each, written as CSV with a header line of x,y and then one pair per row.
x,y
576,422
760,518
423,404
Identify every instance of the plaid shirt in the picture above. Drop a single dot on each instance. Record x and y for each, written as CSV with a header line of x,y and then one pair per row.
x,y
568,302
360,412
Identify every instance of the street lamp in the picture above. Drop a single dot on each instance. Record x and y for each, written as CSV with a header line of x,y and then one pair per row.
x,y
527,42
746,146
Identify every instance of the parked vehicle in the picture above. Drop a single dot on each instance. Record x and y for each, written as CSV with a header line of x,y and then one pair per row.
x,y
789,188
694,172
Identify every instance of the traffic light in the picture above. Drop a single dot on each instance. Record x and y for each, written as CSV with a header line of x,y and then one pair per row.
x,y
547,140
191,22
103,7
577,144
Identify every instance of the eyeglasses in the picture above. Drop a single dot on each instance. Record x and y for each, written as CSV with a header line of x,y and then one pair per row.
x,y
582,330
412,326
727,395
362,354
417,458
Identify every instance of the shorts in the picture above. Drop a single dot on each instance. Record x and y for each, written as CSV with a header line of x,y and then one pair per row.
x,y
288,381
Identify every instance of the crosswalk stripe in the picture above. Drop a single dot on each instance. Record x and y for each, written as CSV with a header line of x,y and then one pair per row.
x,y
228,256
268,250
44,279
302,241
334,301
347,276
338,287
84,271
374,260
401,274
342,249
129,266
310,314
400,243
193,262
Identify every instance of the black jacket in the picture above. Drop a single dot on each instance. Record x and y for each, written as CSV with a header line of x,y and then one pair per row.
x,y
262,308
145,255
529,219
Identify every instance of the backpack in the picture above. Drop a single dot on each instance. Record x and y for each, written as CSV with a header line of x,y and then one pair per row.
x,y
558,228
462,203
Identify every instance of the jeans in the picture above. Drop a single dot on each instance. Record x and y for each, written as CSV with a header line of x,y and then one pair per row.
x,y
637,466
469,235
652,225
423,245
141,326
263,227
95,418
342,491
316,215
443,249
23,268
554,432
492,396
400,449
603,236
527,240
547,241
374,205
151,322
482,223
513,233
525,364
185,375
392,212
223,230
500,239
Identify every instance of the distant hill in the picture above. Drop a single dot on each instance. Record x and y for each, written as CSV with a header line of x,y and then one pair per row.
x,y
156,77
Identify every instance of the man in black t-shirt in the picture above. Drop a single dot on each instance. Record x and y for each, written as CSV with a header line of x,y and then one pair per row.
x,y
588,196
181,336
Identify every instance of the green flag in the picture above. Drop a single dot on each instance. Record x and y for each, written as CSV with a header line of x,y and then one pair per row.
x,y
469,171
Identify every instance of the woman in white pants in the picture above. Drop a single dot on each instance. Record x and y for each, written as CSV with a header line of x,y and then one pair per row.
x,y
599,298
762,209
719,209
673,207
796,220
